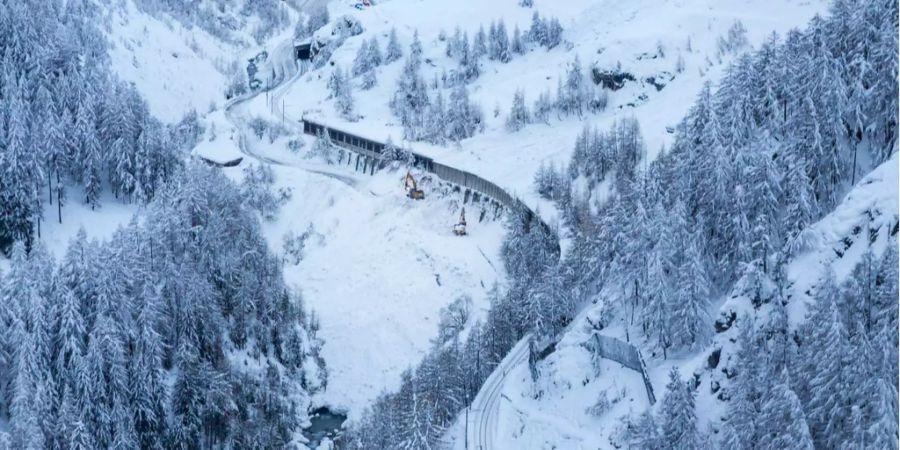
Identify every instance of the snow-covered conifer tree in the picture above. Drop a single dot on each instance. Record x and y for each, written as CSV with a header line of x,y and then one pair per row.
x,y
518,114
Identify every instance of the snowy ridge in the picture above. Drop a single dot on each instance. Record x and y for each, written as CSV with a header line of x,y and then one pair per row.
x,y
866,218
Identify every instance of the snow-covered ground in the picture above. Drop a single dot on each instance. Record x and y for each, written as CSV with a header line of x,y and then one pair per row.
x,y
380,266
606,34
570,384
177,69
409,247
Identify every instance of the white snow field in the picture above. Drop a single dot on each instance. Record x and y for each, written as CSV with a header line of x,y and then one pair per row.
x,y
377,270
379,266
606,34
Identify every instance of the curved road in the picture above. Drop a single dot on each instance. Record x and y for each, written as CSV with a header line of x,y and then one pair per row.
x,y
247,150
486,405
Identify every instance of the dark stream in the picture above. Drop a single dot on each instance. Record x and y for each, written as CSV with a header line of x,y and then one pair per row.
x,y
325,423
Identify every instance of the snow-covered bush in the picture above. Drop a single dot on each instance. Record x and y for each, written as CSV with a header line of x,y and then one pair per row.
x,y
550,182
295,145
256,190
294,244
393,152
258,126
323,148
518,114
453,318
605,403
265,128
238,84
734,40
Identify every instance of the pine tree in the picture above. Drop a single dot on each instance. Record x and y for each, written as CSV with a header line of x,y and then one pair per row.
x,y
660,281
783,422
393,51
362,62
343,103
537,33
493,49
645,432
678,419
518,115
19,190
70,331
90,156
575,95
374,52
554,33
436,125
743,425
369,80
415,50
517,46
463,118
410,100
691,304
468,65
146,376
542,107
336,82
479,45
504,54
828,406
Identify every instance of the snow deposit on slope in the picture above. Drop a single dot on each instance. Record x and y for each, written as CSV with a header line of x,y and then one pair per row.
x,y
607,34
378,277
378,266
174,68
177,68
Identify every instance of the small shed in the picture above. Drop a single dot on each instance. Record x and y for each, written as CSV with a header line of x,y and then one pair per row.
x,y
218,154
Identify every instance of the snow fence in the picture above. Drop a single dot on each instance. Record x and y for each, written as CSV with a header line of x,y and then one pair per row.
x,y
623,353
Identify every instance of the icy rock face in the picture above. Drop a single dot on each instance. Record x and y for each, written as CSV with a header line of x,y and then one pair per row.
x,y
611,79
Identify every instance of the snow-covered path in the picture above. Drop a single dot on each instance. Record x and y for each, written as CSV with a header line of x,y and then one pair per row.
x,y
486,406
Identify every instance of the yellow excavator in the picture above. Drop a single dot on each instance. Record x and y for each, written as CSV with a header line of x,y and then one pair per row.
x,y
412,190
460,228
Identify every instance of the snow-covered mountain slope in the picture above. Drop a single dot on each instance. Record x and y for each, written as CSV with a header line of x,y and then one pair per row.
x,y
867,218
377,267
175,68
380,267
570,384
644,39
180,66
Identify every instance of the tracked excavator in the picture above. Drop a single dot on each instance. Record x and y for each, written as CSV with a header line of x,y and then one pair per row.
x,y
412,190
460,228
